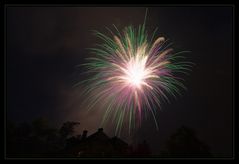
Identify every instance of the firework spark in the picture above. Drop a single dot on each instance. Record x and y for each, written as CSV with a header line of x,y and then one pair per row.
x,y
131,75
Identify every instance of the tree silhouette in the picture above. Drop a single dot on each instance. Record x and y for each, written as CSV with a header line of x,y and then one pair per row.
x,y
184,143
40,126
35,139
67,129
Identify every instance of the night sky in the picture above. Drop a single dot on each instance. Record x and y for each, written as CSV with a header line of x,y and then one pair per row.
x,y
44,44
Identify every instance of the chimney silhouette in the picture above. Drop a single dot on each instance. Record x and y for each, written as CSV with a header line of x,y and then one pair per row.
x,y
100,130
84,135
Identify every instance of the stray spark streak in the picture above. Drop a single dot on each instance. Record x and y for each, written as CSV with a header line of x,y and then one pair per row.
x,y
131,74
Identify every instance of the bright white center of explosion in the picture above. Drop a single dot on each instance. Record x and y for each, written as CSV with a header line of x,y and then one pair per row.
x,y
136,72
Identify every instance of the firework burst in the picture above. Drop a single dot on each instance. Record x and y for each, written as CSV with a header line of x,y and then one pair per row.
x,y
131,74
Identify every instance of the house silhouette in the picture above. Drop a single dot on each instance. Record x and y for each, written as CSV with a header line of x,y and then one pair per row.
x,y
96,145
